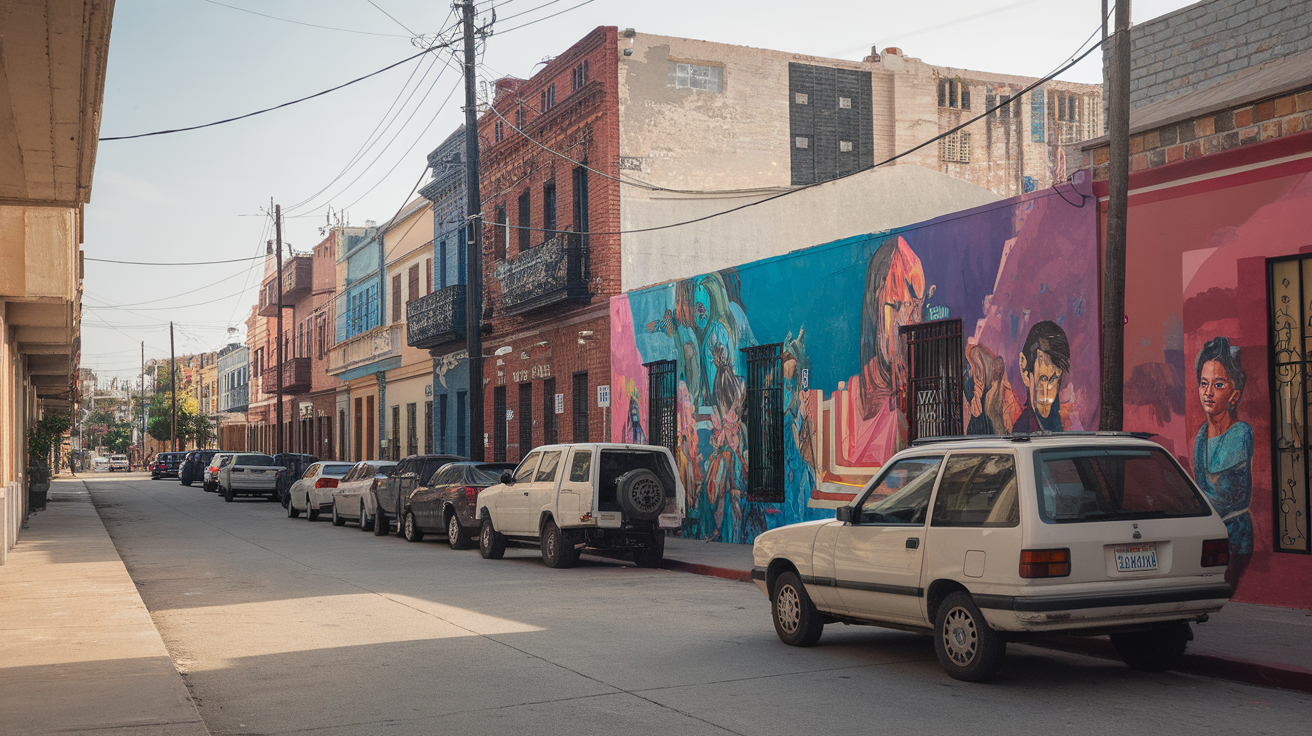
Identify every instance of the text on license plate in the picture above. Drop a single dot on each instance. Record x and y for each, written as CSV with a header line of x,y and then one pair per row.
x,y
1136,558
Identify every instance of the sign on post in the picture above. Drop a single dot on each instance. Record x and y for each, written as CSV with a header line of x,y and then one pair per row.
x,y
603,396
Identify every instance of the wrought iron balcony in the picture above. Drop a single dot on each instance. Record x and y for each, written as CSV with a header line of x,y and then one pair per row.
x,y
436,319
297,277
295,377
550,273
366,348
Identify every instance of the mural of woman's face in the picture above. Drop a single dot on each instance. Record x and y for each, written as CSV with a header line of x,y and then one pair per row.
x,y
1216,391
903,299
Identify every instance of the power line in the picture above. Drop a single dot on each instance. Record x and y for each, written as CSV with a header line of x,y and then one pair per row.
x,y
170,263
546,17
185,293
278,107
393,17
302,23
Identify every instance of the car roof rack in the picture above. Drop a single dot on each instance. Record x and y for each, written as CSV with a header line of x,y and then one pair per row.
x,y
1025,436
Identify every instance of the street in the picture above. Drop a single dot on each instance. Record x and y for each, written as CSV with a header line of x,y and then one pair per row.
x,y
287,626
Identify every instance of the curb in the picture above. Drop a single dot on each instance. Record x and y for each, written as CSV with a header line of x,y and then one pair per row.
x,y
1261,674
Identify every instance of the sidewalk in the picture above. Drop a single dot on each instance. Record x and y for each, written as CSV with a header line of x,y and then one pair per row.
x,y
1258,645
79,653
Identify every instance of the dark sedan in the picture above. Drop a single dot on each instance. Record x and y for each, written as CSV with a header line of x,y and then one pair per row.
x,y
166,465
407,475
294,466
193,467
446,504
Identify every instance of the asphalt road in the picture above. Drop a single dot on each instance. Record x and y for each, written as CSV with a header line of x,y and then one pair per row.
x,y
284,626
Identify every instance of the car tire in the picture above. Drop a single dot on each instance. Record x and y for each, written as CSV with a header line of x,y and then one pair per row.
x,y
382,526
967,647
366,524
641,494
651,555
228,495
557,552
410,528
796,619
337,518
491,543
456,536
187,483
311,510
292,511
1155,650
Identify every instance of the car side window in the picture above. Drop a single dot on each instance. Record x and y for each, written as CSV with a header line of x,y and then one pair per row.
x,y
310,471
524,473
547,470
580,467
441,478
901,496
977,491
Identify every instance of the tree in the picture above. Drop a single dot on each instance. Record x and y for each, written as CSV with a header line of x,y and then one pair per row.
x,y
118,438
200,429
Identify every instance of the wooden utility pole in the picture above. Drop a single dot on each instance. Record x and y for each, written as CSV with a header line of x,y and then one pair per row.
x,y
143,402
277,228
473,245
1113,270
173,391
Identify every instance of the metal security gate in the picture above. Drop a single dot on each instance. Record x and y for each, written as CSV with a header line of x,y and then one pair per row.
x,y
935,363
499,424
765,423
662,404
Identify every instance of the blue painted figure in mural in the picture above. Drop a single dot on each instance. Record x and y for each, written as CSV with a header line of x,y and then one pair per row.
x,y
1044,360
1223,449
633,431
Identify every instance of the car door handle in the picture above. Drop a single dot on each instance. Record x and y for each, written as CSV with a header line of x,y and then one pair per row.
x,y
913,542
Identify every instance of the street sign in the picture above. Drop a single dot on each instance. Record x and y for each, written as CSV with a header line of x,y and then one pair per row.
x,y
560,403
603,396
510,414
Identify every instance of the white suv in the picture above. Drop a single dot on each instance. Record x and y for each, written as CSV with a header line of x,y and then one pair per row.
x,y
982,541
563,498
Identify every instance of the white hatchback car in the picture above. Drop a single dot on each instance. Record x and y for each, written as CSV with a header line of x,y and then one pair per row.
x,y
983,541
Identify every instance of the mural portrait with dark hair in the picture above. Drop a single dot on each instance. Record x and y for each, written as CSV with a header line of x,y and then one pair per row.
x,y
1223,448
895,295
1044,360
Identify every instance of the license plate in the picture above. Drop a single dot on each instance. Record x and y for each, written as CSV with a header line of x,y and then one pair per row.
x,y
1136,558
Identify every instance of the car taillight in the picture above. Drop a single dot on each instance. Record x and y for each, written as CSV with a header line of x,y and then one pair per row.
x,y
1045,563
326,483
1216,553
471,493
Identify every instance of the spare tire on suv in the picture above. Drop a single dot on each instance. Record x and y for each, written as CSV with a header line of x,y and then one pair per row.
x,y
641,494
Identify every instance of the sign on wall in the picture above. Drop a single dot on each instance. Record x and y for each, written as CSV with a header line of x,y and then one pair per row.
x,y
603,396
560,403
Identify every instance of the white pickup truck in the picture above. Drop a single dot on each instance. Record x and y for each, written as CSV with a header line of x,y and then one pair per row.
x,y
563,498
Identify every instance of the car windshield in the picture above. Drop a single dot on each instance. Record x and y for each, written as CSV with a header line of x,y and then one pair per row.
x,y
253,460
1105,484
488,475
336,469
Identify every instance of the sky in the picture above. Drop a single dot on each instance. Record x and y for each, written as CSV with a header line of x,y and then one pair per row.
x,y
204,195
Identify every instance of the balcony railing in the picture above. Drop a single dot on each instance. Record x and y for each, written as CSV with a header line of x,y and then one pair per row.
x,y
553,272
361,350
297,275
295,376
436,319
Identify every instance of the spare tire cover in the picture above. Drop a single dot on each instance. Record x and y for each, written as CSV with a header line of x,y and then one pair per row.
x,y
641,494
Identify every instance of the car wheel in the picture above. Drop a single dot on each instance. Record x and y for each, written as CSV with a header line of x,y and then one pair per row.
x,y
1155,650
382,526
311,509
967,647
365,522
456,536
292,511
410,528
557,552
228,495
491,543
796,619
187,483
641,494
337,518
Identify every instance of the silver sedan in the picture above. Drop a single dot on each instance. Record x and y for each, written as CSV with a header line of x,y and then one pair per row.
x,y
352,490
313,491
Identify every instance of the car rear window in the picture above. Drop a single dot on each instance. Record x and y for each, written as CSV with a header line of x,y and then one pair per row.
x,y
253,460
337,469
488,474
615,463
1109,484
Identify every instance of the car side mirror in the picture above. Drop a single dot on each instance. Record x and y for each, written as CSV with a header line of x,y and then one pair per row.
x,y
844,514
507,478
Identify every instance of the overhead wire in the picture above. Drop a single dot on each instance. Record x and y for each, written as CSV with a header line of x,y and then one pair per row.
x,y
394,20
302,23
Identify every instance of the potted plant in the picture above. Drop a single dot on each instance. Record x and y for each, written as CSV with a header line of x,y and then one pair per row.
x,y
41,440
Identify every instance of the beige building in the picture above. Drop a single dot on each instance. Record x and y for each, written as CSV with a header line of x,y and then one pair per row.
x,y
52,82
408,392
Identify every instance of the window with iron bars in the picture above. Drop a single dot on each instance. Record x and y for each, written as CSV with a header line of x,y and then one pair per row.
x,y
499,424
662,404
955,148
581,407
765,423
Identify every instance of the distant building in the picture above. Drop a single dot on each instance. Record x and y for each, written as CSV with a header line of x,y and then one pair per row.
x,y
233,366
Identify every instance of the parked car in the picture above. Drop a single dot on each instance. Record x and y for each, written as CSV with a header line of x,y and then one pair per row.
x,y
446,503
166,465
294,465
118,462
210,478
988,540
604,496
385,503
193,467
349,497
249,473
100,464
313,491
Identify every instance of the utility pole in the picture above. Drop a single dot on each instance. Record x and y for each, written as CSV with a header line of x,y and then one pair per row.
x,y
143,401
473,245
277,227
173,391
1111,415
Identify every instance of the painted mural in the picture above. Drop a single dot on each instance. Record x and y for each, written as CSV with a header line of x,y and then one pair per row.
x,y
1020,274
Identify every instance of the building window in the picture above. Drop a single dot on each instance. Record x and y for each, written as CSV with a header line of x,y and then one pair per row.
x,y
499,422
519,117
845,146
498,131
580,402
358,448
662,405
548,208
342,452
765,423
548,96
954,148
1036,117
965,97
501,241
695,76
412,284
525,418
428,275
800,98
581,200
580,76
462,423
412,428
550,420
441,424
396,298
838,109
1006,110
1289,282
524,214
394,445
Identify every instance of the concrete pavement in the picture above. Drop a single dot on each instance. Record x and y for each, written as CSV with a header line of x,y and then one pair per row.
x,y
79,653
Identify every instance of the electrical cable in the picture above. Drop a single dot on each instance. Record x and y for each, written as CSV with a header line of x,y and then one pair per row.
x,y
243,272
301,23
394,20
170,263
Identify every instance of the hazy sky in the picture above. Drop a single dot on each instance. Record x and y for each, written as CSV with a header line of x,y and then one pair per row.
x,y
201,195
